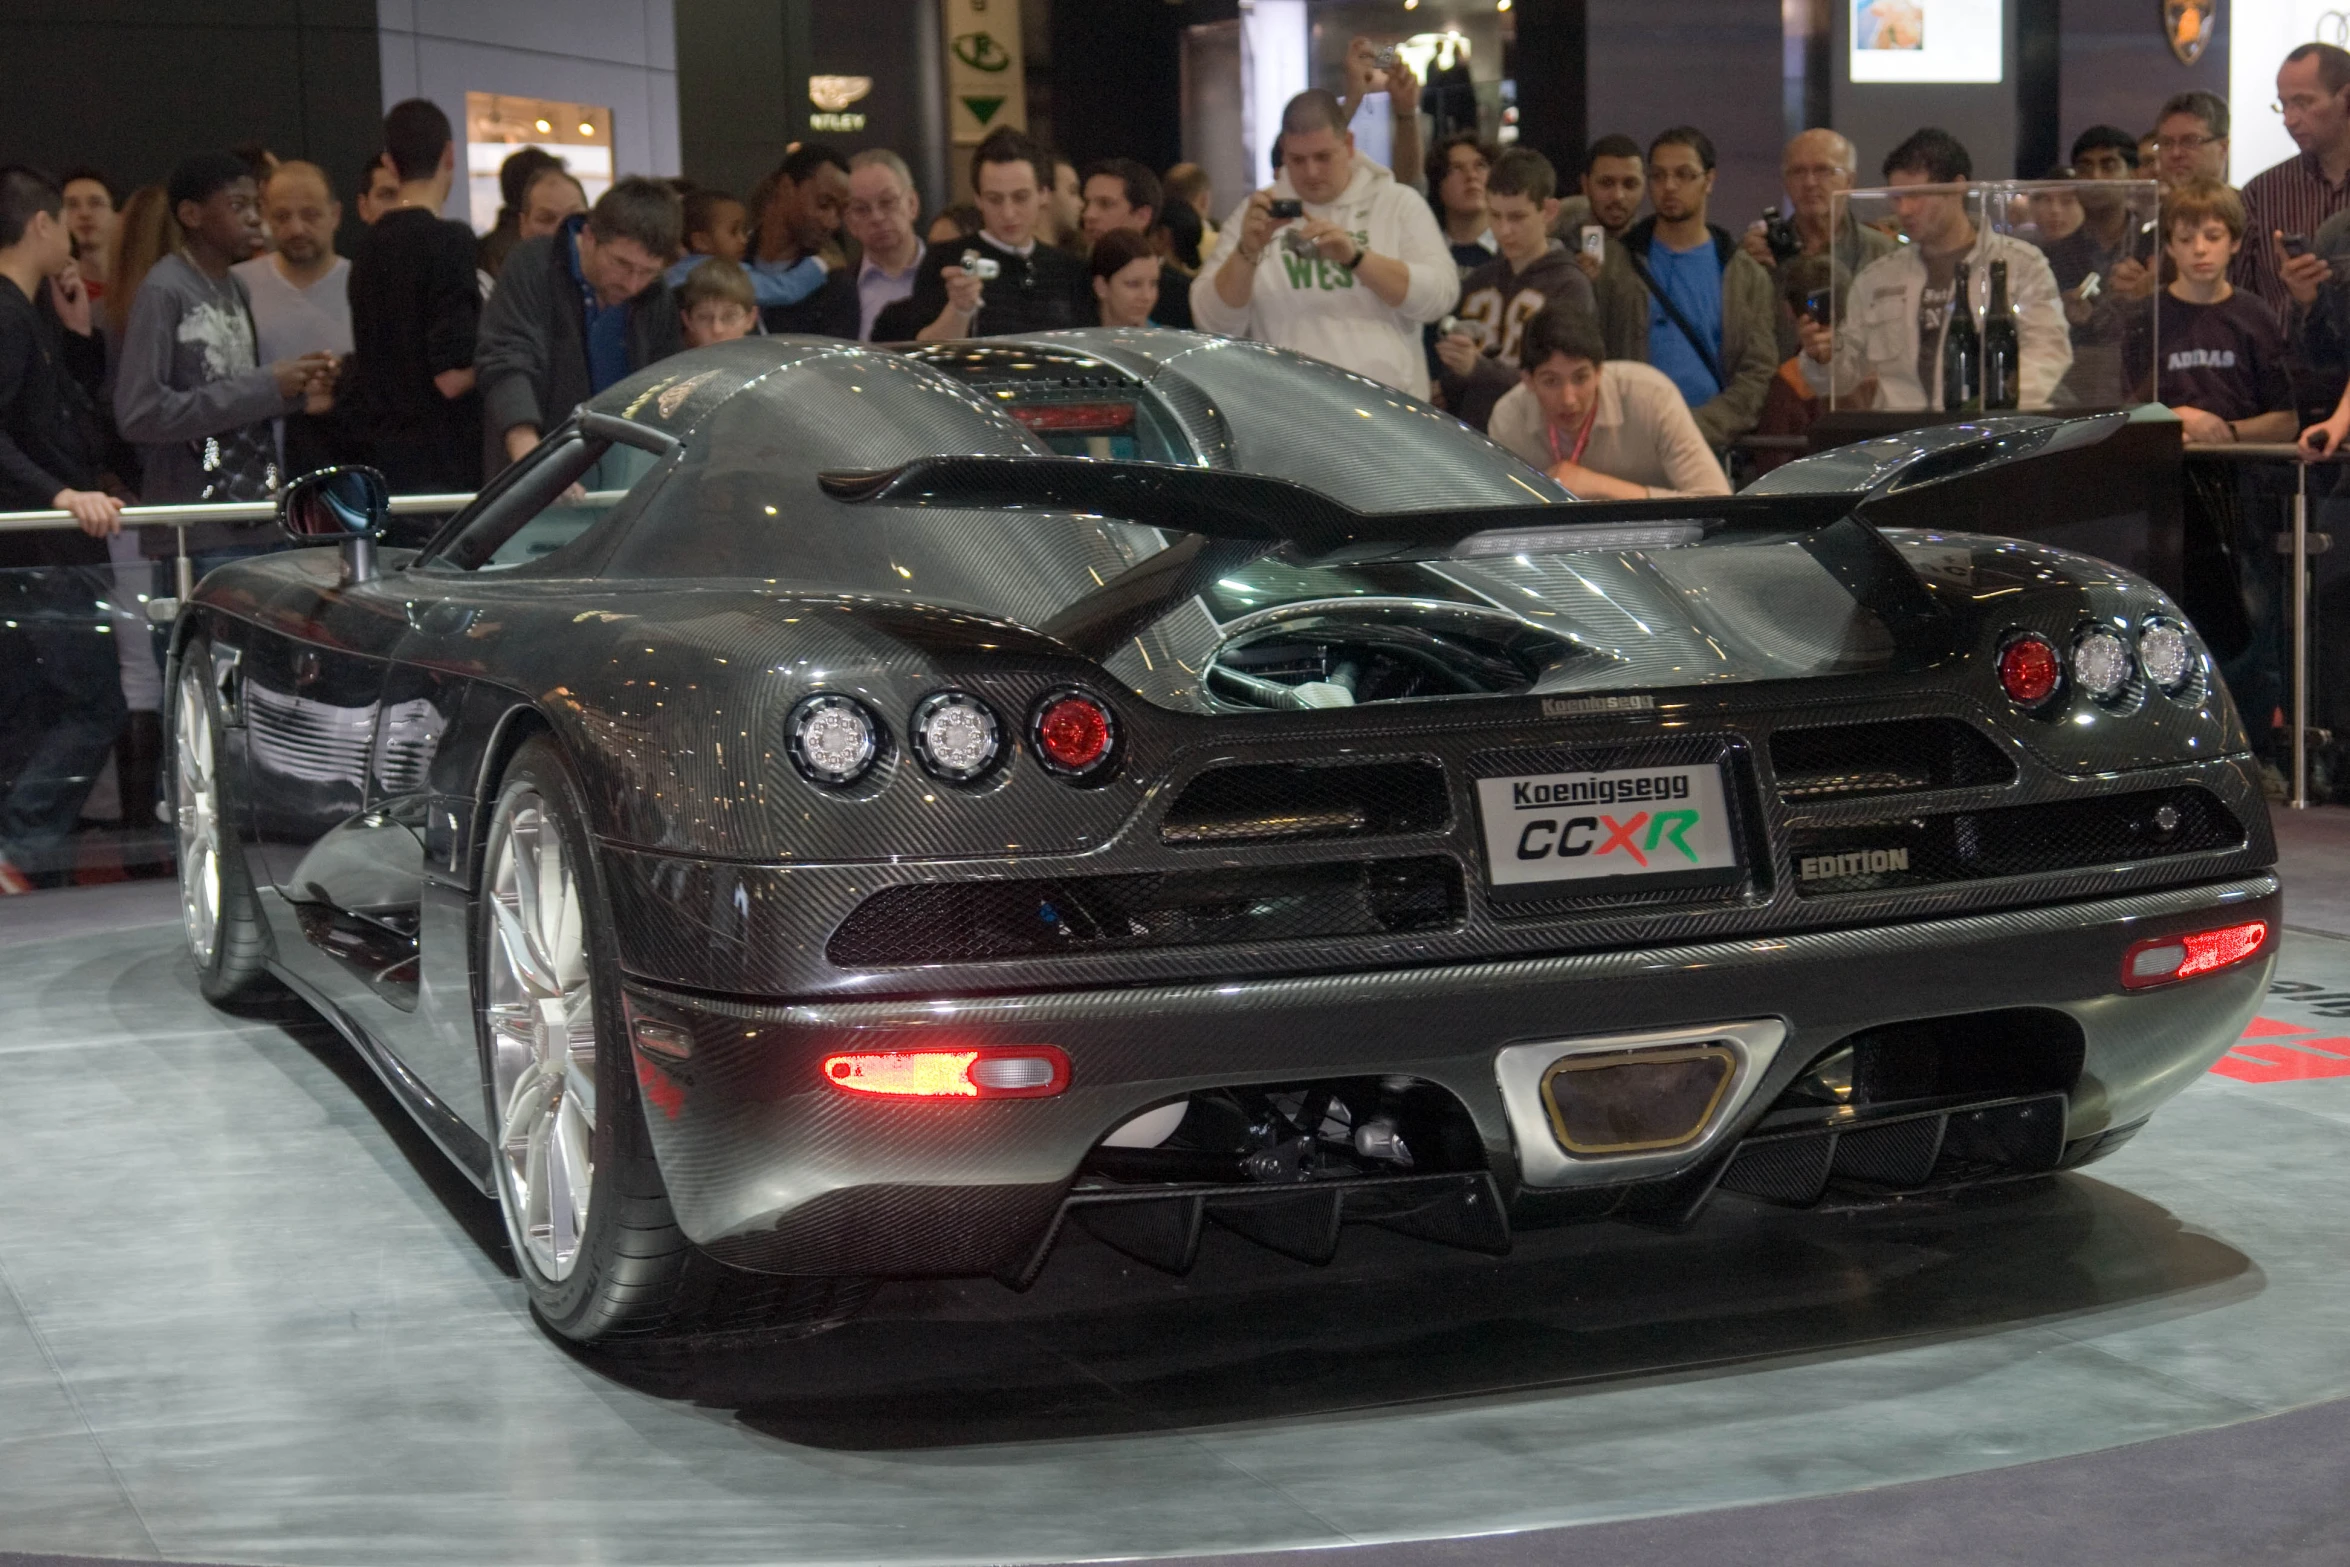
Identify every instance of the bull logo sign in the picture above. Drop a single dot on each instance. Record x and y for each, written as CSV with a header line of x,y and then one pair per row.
x,y
2188,25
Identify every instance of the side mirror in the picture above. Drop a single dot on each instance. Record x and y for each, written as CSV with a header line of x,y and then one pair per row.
x,y
333,505
349,506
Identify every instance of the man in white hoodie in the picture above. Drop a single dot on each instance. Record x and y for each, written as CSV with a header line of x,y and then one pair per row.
x,y
1351,278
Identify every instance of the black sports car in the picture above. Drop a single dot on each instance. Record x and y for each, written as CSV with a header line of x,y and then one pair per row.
x,y
833,813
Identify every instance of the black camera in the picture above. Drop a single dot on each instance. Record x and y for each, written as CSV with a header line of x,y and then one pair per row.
x,y
1779,233
1288,207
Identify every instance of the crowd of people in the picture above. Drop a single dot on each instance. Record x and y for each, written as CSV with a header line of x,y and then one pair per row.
x,y
203,338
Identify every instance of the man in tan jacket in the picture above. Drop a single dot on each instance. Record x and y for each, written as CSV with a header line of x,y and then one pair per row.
x,y
1607,429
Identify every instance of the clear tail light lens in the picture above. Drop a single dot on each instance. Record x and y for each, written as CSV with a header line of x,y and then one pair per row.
x,y
956,736
833,739
2168,658
2101,663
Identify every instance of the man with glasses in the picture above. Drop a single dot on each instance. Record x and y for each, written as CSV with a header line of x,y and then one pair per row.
x,y
2191,139
881,213
2299,194
1815,166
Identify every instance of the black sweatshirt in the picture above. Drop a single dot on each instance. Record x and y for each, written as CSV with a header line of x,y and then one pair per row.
x,y
415,310
50,437
1044,291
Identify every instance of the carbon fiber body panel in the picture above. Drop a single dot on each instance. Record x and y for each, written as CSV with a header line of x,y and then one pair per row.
x,y
750,1134
1267,895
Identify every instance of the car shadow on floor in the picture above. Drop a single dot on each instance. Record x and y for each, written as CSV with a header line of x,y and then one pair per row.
x,y
1102,1346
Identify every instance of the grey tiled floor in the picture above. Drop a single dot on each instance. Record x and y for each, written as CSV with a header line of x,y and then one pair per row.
x,y
245,1315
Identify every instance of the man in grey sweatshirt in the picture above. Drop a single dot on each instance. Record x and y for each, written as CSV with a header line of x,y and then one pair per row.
x,y
189,389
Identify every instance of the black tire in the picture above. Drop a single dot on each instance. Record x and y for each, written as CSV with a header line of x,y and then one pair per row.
x,y
636,1280
233,972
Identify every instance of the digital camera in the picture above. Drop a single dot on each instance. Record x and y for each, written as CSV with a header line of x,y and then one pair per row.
x,y
985,268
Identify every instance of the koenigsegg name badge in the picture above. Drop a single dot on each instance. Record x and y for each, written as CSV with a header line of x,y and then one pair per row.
x,y
1663,825
1591,706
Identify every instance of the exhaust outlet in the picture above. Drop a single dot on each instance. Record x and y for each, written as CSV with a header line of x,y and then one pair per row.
x,y
1636,1101
1618,1108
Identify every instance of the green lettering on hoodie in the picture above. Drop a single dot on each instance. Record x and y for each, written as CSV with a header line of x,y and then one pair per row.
x,y
1299,268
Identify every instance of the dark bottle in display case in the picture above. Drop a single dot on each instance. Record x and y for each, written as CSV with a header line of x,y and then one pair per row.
x,y
2003,362
1962,350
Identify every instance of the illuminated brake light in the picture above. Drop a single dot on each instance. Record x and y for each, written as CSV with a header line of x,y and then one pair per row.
x,y
1011,1072
2166,959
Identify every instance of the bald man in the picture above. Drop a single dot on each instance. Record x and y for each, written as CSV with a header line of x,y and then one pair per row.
x,y
1816,165
300,289
301,296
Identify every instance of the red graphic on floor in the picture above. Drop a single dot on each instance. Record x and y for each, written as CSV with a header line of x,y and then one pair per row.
x,y
2277,1058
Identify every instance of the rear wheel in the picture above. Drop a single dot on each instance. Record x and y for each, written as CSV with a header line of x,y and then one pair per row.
x,y
227,935
594,1237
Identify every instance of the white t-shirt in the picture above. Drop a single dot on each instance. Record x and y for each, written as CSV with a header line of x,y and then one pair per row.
x,y
294,321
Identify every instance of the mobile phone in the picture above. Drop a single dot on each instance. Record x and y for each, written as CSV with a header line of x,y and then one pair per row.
x,y
1288,207
2090,286
1816,305
985,268
1594,241
2296,244
1385,59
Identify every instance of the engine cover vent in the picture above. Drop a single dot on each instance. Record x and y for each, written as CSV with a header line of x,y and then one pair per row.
x,y
1904,756
1292,802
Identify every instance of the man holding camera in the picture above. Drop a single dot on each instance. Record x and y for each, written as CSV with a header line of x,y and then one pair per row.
x,y
1004,279
1335,258
1814,167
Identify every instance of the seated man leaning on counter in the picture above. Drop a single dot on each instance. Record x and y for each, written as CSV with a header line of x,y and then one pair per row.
x,y
1899,305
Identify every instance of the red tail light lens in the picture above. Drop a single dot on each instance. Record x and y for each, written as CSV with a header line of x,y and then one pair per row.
x,y
2167,959
998,1072
1074,734
2029,669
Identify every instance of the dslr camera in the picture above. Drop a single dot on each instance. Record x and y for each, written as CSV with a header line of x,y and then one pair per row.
x,y
1779,233
985,268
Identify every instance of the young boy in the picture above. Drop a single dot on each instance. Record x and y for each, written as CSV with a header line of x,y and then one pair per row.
x,y
1480,360
716,303
717,225
1607,429
2223,355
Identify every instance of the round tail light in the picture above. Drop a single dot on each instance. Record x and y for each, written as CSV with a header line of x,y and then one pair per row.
x,y
833,740
2102,663
1074,734
956,736
2169,660
2029,669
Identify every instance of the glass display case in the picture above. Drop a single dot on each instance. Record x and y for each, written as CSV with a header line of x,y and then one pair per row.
x,y
2061,283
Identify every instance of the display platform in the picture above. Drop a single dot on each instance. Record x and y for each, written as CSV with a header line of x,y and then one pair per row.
x,y
247,1315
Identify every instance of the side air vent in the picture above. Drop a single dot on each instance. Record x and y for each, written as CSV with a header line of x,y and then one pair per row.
x,y
2020,840
1905,756
1288,802
971,922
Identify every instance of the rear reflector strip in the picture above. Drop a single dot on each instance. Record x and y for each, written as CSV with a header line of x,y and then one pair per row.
x,y
1002,1072
2167,959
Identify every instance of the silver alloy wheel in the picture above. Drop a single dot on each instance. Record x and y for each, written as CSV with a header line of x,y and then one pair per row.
x,y
542,1024
196,815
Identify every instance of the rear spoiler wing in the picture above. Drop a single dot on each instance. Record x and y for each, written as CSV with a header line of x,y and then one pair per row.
x,y
1232,518
1244,508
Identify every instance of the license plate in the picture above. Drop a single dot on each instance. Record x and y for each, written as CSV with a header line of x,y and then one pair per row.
x,y
1646,828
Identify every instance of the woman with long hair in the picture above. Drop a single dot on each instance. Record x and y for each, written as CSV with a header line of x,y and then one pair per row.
x,y
146,233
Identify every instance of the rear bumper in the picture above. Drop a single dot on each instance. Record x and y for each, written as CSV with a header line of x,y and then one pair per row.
x,y
770,1168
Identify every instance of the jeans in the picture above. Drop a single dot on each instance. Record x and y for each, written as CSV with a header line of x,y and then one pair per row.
x,y
64,685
